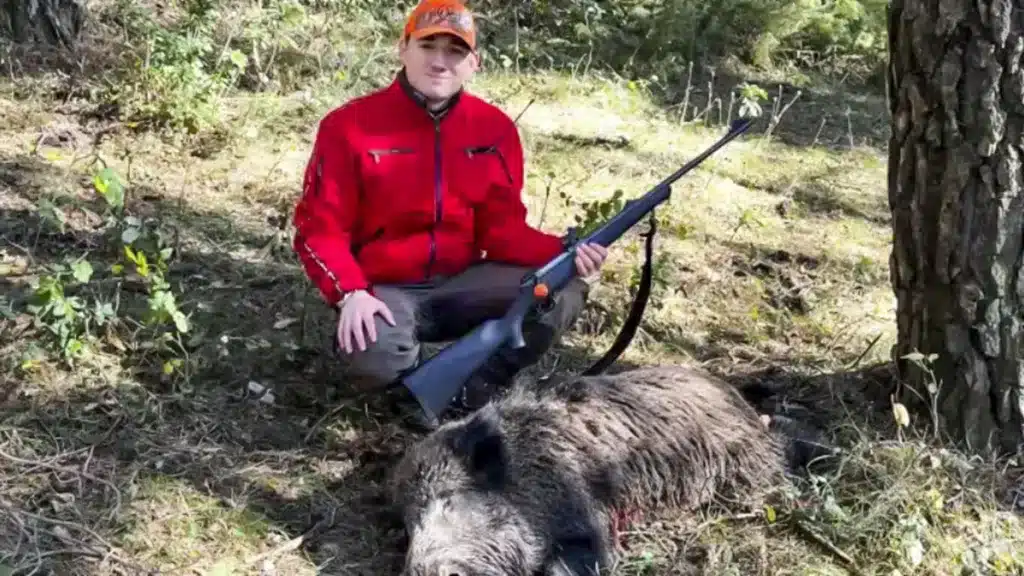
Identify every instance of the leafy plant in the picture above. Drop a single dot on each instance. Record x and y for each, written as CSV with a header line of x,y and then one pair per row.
x,y
66,304
67,320
751,96
597,212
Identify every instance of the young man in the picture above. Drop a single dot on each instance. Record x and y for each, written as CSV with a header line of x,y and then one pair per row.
x,y
411,222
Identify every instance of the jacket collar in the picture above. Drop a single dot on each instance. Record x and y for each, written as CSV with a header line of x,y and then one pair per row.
x,y
420,100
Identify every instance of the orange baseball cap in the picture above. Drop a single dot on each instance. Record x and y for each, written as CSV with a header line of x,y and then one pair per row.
x,y
431,17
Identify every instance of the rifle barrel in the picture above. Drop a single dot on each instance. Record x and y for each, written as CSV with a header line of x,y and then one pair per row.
x,y
438,380
638,208
738,127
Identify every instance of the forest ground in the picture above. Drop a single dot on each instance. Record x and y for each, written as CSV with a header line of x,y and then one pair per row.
x,y
155,452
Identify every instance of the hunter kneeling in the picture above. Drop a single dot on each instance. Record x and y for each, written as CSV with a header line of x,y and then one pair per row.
x,y
411,222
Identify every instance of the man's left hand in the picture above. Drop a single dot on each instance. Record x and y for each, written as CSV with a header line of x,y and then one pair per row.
x,y
589,259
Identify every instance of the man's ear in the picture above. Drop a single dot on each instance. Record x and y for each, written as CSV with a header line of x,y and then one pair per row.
x,y
482,447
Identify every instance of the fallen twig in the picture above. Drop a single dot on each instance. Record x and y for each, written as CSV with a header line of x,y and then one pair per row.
x,y
60,531
733,518
316,426
297,542
853,365
67,469
805,529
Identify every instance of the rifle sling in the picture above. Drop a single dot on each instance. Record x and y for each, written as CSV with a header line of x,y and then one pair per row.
x,y
636,310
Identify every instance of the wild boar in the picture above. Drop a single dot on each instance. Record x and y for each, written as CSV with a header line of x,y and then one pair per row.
x,y
532,482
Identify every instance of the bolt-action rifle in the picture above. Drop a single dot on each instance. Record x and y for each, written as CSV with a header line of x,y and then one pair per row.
x,y
436,382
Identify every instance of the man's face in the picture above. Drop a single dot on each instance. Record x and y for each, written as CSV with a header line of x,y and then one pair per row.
x,y
438,65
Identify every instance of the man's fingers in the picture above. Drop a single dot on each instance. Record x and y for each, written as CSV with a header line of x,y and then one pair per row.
x,y
586,257
357,328
357,333
592,258
345,333
596,252
583,266
385,312
371,327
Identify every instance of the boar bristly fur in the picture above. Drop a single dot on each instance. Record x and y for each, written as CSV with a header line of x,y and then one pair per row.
x,y
529,484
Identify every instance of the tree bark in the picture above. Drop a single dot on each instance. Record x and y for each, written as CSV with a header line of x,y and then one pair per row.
x,y
50,22
956,94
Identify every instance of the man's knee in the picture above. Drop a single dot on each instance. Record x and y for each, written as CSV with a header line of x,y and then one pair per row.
x,y
394,351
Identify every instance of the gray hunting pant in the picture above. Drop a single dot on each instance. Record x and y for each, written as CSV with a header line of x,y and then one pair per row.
x,y
447,308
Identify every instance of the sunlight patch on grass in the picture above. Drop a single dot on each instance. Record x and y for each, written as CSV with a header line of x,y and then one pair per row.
x,y
513,91
889,508
174,526
832,299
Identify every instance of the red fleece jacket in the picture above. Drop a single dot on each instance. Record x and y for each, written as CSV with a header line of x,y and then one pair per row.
x,y
394,195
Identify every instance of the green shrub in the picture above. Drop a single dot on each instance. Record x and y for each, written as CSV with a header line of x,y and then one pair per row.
x,y
187,57
643,37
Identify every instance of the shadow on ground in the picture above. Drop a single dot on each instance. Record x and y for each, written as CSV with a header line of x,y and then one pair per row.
x,y
121,425
119,457
98,447
823,194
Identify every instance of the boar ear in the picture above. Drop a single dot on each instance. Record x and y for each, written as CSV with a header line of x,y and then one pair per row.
x,y
483,448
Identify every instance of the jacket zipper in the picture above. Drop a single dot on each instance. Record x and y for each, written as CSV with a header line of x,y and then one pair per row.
x,y
437,196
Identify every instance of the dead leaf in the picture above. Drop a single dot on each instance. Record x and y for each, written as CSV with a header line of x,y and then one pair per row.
x,y
284,323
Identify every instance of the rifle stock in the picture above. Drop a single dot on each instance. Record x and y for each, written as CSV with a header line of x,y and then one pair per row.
x,y
436,382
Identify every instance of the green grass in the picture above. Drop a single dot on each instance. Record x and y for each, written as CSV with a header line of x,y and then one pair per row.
x,y
772,264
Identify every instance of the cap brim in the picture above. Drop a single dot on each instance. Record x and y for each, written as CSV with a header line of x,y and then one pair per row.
x,y
435,30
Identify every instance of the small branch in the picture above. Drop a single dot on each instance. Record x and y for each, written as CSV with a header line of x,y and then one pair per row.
x,y
849,128
295,543
686,96
857,362
104,552
805,529
80,473
334,412
544,207
820,128
733,518
777,117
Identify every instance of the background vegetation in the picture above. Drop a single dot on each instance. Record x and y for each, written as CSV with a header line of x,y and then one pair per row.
x,y
171,61
166,400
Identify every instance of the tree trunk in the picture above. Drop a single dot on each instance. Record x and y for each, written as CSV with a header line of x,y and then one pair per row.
x,y
956,91
50,22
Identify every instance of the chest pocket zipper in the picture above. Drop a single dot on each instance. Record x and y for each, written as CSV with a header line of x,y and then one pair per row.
x,y
480,150
377,153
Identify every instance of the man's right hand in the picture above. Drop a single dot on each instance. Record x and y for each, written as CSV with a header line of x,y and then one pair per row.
x,y
356,318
